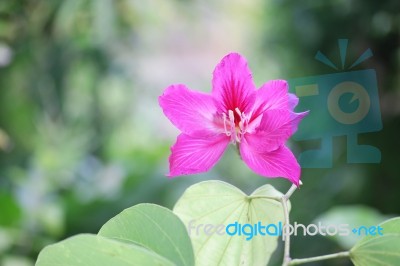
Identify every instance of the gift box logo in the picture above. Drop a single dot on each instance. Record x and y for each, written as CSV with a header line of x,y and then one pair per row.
x,y
341,104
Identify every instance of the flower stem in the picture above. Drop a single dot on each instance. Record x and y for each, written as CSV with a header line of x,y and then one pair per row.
x,y
286,237
290,191
344,254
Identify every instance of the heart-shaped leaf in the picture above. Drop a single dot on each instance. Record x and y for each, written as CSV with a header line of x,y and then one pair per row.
x,y
383,250
94,250
145,234
210,208
379,250
155,228
391,226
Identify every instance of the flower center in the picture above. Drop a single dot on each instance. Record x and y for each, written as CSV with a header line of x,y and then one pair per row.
x,y
235,126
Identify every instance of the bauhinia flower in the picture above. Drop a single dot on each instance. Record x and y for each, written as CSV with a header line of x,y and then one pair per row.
x,y
258,121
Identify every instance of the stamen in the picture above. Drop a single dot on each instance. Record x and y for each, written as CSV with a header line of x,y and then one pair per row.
x,y
231,116
238,112
232,129
228,133
243,121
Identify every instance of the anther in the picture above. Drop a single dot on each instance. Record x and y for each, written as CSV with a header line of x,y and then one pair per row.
x,y
238,112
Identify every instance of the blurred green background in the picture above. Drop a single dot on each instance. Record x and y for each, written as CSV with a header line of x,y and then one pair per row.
x,y
82,136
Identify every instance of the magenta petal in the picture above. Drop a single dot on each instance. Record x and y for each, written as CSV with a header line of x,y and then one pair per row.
x,y
293,101
190,111
279,124
191,155
278,163
233,85
272,95
274,130
296,119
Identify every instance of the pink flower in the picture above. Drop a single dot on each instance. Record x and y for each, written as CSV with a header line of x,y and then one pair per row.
x,y
258,121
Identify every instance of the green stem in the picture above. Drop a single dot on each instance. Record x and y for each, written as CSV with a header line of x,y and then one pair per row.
x,y
286,237
344,254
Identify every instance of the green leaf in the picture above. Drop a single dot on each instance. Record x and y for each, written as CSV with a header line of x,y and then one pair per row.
x,y
94,250
355,216
379,250
391,226
155,228
145,234
383,250
206,206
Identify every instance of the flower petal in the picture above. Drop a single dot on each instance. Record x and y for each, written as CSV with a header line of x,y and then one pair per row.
x,y
233,85
278,163
191,155
275,129
191,112
273,95
293,101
